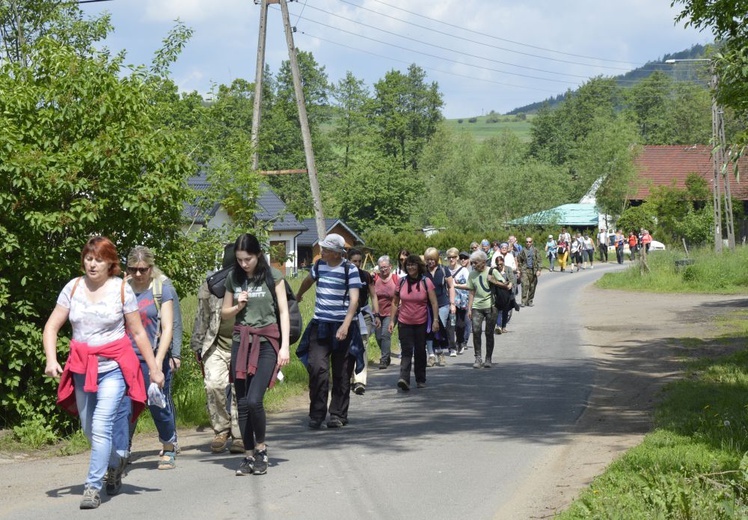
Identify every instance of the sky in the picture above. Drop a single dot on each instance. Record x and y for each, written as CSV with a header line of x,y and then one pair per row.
x,y
484,54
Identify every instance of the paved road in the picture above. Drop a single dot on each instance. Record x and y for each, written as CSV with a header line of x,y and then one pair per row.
x,y
460,448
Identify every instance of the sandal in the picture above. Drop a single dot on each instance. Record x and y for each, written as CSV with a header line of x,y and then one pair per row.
x,y
167,460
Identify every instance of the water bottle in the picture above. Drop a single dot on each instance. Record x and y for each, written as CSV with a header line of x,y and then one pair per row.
x,y
452,319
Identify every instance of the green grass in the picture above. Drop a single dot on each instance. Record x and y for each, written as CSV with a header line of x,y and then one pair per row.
x,y
694,464
724,273
482,130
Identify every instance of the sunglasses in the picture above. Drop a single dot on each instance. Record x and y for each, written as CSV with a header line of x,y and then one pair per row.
x,y
451,257
139,270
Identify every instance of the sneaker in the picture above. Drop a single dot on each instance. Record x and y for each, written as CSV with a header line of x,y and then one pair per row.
x,y
403,385
315,424
461,348
113,477
334,422
91,498
442,360
478,363
383,364
359,388
431,361
237,446
487,363
219,442
531,304
421,384
261,461
246,467
497,330
452,353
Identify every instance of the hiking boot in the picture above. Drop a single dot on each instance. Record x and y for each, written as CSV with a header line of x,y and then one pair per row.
x,y
497,330
403,385
237,446
315,424
383,364
452,353
477,363
91,498
442,360
359,388
487,363
113,477
260,466
431,361
246,467
334,422
421,384
219,442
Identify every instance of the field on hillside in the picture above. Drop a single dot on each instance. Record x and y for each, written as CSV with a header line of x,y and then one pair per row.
x,y
482,130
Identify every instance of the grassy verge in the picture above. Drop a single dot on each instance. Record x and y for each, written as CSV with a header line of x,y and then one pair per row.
x,y
694,464
725,273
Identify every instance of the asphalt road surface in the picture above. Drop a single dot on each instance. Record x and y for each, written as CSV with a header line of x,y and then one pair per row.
x,y
463,447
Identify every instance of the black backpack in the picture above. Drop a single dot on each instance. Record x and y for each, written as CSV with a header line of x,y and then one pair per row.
x,y
217,282
294,313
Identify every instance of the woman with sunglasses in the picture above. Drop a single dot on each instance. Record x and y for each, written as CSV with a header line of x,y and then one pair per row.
x,y
156,295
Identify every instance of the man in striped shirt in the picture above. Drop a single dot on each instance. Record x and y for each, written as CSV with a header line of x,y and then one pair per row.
x,y
330,332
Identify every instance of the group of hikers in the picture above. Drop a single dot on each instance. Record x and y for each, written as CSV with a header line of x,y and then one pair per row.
x,y
126,331
578,251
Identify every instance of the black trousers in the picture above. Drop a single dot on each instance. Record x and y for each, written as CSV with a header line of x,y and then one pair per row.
x,y
322,358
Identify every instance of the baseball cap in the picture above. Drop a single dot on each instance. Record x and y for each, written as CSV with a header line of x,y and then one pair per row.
x,y
464,254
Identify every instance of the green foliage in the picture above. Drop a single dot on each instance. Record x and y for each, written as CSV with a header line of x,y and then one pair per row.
x,y
68,170
637,217
35,432
683,213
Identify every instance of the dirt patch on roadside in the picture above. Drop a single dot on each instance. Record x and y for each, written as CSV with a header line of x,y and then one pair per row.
x,y
639,342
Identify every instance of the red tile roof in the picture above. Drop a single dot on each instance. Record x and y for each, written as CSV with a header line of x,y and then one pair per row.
x,y
659,165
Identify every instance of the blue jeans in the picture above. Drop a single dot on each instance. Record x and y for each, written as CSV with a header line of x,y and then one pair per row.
x,y
97,412
163,418
444,319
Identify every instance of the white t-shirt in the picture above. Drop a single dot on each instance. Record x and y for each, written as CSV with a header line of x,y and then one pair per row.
x,y
510,260
101,322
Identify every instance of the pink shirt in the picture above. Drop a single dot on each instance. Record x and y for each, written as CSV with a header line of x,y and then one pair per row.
x,y
414,303
385,292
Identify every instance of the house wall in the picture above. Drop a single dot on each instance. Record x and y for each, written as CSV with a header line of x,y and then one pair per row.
x,y
289,239
350,240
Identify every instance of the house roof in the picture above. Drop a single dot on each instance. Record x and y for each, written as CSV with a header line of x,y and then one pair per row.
x,y
572,215
310,238
661,165
271,208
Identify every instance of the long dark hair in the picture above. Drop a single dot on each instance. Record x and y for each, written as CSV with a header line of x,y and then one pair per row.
x,y
249,244
401,263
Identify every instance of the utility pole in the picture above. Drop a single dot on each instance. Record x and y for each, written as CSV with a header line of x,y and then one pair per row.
x,y
718,163
300,104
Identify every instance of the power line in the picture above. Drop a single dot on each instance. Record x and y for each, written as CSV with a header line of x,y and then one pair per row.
x,y
447,48
451,35
499,38
473,78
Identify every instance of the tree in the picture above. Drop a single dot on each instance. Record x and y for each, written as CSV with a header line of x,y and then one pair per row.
x,y
79,155
23,22
351,97
727,22
406,112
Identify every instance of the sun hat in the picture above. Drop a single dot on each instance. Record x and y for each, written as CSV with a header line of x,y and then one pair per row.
x,y
333,242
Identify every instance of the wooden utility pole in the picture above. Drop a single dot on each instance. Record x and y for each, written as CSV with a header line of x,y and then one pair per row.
x,y
300,103
718,162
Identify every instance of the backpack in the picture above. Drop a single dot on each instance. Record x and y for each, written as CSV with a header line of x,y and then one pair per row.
x,y
421,280
294,313
217,282
176,338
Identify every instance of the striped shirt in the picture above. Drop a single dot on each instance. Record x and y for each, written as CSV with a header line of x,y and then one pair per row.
x,y
332,300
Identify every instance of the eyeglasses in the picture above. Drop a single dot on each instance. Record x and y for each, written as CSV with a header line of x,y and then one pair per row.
x,y
139,270
451,257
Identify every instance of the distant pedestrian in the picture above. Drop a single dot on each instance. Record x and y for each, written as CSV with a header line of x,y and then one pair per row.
x,y
551,250
530,267
385,284
602,245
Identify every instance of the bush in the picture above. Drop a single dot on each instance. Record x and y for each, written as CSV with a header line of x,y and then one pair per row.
x,y
473,120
